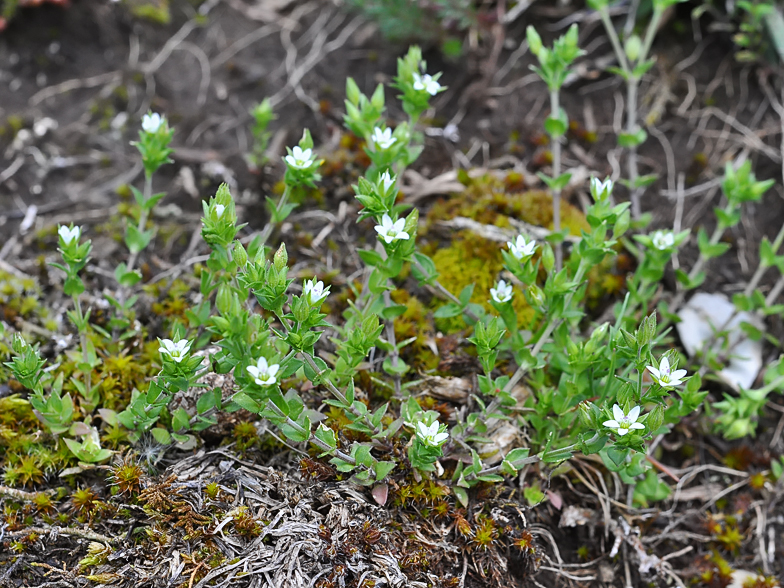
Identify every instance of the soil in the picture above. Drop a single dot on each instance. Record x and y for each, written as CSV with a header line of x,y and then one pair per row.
x,y
94,70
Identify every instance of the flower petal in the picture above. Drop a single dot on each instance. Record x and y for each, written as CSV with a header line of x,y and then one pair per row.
x,y
634,413
618,412
611,424
622,432
636,426
654,372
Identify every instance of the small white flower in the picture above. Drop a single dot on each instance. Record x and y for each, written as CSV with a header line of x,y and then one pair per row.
x,y
390,231
152,122
521,248
263,373
175,351
663,240
623,423
430,436
314,292
502,292
219,208
426,83
386,181
69,235
601,190
664,376
300,158
383,139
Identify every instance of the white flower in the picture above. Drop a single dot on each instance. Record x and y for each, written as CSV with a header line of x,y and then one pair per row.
x,y
383,139
300,158
502,292
664,377
601,190
430,436
663,240
521,248
624,422
69,235
426,83
263,374
152,122
390,231
386,181
314,292
175,351
219,208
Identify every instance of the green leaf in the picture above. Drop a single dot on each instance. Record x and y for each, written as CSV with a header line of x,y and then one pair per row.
x,y
447,311
393,311
161,435
461,494
632,139
246,402
382,469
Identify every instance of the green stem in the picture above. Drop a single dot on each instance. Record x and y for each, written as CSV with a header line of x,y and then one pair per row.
x,y
555,109
143,215
311,437
83,339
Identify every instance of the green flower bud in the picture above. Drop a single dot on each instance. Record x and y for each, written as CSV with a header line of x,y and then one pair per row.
x,y
281,258
19,345
585,412
655,419
535,296
223,299
240,255
632,47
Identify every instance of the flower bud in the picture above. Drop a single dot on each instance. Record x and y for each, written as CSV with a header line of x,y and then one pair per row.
x,y
281,258
534,40
535,296
632,48
240,255
223,299
585,412
655,419
19,345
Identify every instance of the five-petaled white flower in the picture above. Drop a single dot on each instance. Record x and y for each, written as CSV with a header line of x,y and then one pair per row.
x,y
383,139
623,423
300,158
502,292
263,373
219,208
389,231
426,83
152,122
69,235
664,376
601,190
663,240
521,248
386,181
430,436
175,351
314,292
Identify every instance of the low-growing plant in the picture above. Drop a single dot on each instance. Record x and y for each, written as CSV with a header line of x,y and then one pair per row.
x,y
601,389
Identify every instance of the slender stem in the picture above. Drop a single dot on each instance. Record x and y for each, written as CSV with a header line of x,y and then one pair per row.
x,y
312,438
631,127
604,13
83,339
551,326
143,215
394,355
269,226
555,109
447,294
